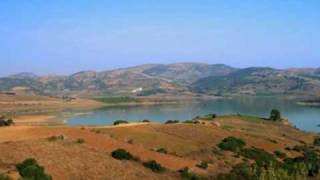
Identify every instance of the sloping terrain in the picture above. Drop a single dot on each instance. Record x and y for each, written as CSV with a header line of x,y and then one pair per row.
x,y
264,81
185,145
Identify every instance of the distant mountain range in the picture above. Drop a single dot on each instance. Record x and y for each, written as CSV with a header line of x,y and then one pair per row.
x,y
180,78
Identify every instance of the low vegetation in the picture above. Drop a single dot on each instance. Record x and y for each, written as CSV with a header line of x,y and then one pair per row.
x,y
115,100
280,154
191,122
4,177
261,157
207,117
162,150
267,167
56,138
29,169
186,175
275,115
121,154
203,165
172,122
5,121
117,122
154,166
316,141
232,144
80,141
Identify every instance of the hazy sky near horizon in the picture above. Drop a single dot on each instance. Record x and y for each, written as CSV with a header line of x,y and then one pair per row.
x,y
65,36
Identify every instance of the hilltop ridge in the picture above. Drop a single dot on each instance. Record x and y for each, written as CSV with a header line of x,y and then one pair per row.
x,y
178,78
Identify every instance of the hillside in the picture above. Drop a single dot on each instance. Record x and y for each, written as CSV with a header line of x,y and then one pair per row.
x,y
171,79
261,81
197,146
139,80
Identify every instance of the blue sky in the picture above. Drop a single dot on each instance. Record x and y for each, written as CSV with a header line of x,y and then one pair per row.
x,y
65,36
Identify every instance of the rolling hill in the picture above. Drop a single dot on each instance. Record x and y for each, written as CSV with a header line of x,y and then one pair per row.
x,y
261,81
173,79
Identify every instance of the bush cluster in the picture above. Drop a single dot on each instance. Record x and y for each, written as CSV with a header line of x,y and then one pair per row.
x,y
154,166
267,167
261,157
316,141
203,165
275,115
121,154
186,175
280,154
232,144
172,122
117,122
30,169
5,122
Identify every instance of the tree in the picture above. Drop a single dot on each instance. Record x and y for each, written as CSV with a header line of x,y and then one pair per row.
x,y
275,115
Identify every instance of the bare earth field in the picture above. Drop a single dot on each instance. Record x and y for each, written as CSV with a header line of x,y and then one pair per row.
x,y
187,145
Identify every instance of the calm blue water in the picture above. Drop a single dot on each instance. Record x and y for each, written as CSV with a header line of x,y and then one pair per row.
x,y
305,118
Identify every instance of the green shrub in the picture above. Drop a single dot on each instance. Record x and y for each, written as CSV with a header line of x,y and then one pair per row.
x,y
154,166
203,165
146,121
232,144
310,158
121,154
261,157
30,169
186,175
275,115
280,154
316,141
172,122
5,122
244,171
117,122
162,150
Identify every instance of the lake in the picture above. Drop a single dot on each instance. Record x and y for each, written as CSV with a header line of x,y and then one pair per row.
x,y
303,117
